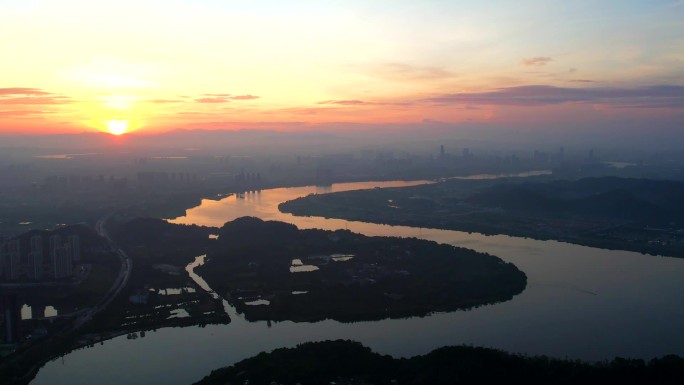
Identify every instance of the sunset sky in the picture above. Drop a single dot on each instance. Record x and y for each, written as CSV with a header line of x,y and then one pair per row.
x,y
148,66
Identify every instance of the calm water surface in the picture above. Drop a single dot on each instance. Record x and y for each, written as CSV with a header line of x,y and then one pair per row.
x,y
580,302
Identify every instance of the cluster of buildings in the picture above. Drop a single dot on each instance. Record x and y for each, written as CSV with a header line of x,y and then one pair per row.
x,y
47,258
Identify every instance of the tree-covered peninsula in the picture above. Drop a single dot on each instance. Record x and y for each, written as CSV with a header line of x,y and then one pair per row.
x,y
274,271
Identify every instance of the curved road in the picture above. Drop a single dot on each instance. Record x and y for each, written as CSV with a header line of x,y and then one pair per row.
x,y
120,281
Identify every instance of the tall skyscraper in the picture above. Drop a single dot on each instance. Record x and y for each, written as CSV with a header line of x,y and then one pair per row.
x,y
35,265
75,248
62,265
36,258
55,242
36,243
10,258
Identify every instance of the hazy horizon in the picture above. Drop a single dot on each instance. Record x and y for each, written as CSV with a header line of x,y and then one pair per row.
x,y
536,67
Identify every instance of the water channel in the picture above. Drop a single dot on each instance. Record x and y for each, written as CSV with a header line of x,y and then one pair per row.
x,y
581,302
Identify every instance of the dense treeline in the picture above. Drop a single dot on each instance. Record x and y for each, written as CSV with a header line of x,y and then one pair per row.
x,y
150,240
386,277
615,213
349,362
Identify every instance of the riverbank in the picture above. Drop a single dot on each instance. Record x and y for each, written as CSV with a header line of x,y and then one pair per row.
x,y
274,271
610,213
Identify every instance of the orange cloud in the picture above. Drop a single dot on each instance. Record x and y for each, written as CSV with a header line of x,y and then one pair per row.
x,y
21,95
213,100
22,91
23,113
223,98
244,97
344,102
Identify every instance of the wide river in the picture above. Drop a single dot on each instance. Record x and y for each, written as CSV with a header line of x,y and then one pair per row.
x,y
580,302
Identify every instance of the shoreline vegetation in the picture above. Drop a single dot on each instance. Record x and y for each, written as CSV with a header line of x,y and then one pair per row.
x,y
348,362
612,213
274,271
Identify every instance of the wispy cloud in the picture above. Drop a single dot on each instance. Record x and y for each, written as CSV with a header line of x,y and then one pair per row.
x,y
36,100
22,113
240,125
244,97
213,100
539,95
164,101
30,96
537,61
223,98
344,102
307,111
356,102
22,91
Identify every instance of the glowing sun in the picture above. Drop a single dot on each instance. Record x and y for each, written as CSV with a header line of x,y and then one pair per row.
x,y
117,127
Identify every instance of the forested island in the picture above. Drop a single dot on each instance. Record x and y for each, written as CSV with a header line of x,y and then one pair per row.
x,y
347,362
615,213
274,271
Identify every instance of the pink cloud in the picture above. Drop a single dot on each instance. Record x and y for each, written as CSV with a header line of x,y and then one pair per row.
x,y
36,100
537,61
213,100
344,102
22,91
223,98
244,97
